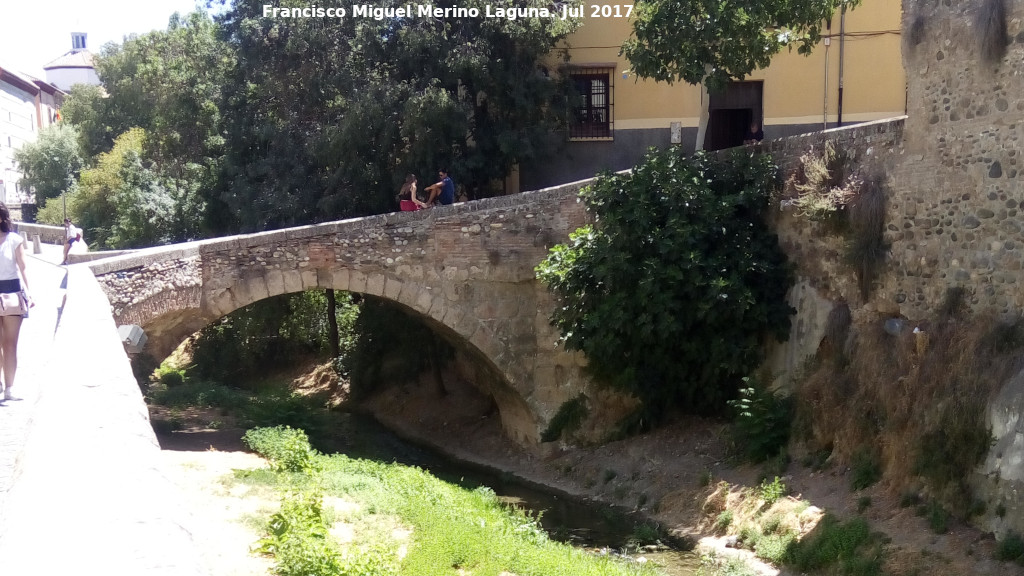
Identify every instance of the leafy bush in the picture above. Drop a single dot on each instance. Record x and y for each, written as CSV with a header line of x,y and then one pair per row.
x,y
957,442
1011,548
671,291
200,394
723,521
391,345
762,425
284,408
770,492
774,547
287,449
936,516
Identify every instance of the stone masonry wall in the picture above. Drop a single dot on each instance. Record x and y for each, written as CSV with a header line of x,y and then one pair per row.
x,y
956,194
467,269
956,204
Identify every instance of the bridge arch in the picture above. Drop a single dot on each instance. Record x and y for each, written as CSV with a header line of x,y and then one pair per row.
x,y
466,270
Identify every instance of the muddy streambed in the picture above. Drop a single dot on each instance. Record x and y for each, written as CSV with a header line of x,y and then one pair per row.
x,y
590,525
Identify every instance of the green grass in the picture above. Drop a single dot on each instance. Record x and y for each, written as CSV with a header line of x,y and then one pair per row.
x,y
451,527
866,470
847,548
723,521
270,407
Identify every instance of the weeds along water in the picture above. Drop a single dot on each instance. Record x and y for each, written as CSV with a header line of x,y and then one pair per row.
x,y
407,508
401,520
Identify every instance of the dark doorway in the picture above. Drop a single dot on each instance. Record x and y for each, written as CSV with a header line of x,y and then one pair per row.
x,y
727,127
732,111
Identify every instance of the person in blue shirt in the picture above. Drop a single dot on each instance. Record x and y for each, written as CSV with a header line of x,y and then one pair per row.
x,y
443,191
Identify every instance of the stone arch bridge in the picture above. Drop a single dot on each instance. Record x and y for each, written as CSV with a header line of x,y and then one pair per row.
x,y
467,270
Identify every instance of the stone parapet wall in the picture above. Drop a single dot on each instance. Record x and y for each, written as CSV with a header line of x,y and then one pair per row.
x,y
880,138
47,234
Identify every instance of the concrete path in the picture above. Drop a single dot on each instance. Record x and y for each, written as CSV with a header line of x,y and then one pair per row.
x,y
35,350
82,489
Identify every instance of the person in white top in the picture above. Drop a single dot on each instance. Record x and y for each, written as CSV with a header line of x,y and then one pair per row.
x,y
72,234
12,264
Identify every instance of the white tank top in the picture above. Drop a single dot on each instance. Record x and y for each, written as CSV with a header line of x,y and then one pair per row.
x,y
8,267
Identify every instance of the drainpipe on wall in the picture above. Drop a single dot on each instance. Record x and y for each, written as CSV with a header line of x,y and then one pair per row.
x,y
842,44
828,42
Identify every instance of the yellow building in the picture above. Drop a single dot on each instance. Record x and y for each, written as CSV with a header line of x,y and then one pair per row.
x,y
853,76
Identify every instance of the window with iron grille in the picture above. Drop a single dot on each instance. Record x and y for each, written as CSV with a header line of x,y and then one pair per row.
x,y
592,113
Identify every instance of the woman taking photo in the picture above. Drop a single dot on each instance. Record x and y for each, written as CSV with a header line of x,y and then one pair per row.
x,y
12,263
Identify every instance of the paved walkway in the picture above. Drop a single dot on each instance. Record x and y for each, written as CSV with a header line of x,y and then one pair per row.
x,y
82,490
35,350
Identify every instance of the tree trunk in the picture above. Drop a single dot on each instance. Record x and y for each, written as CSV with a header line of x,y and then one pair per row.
x,y
705,111
332,324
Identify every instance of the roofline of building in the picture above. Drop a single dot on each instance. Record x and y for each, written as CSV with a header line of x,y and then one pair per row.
x,y
13,78
48,88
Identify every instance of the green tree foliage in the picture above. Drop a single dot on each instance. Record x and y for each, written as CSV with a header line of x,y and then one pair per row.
x,y
672,290
169,84
155,132
712,41
85,109
128,202
391,345
270,333
51,163
325,116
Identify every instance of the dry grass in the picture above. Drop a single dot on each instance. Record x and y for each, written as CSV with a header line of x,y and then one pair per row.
x,y
917,401
990,23
823,184
837,330
867,249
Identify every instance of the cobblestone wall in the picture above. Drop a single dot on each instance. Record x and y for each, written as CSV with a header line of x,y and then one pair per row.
x,y
956,205
956,195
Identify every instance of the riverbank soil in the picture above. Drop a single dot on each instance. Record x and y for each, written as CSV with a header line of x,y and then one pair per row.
x,y
670,473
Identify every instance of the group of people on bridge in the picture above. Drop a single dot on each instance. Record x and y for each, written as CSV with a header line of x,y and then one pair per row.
x,y
442,193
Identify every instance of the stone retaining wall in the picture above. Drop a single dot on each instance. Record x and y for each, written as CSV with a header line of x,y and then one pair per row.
x,y
47,234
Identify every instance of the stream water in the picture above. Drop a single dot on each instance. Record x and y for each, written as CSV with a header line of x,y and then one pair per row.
x,y
585,524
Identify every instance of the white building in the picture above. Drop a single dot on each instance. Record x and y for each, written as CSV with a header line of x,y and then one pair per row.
x,y
74,67
27,105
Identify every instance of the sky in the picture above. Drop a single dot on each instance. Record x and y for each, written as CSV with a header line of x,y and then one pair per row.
x,y
36,32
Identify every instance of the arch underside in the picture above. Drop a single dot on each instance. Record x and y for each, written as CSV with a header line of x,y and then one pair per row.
x,y
454,320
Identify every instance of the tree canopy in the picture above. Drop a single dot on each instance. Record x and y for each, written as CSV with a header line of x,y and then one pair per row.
x,y
263,123
711,41
325,117
672,290
51,163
